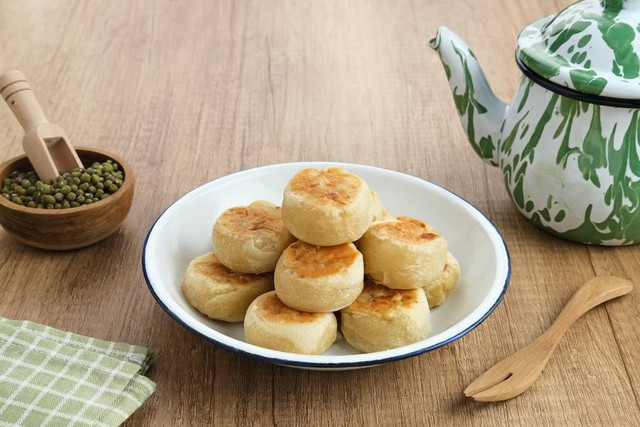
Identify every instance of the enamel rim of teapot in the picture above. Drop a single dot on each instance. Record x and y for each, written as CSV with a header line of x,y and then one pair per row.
x,y
572,93
572,167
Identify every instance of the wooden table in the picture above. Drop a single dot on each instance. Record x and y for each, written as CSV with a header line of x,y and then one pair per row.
x,y
191,91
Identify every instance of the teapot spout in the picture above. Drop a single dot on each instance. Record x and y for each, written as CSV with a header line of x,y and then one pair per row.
x,y
480,111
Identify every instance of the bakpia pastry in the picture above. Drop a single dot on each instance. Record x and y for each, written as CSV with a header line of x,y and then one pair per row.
x,y
269,323
379,211
403,253
382,318
319,279
327,207
438,290
250,239
220,293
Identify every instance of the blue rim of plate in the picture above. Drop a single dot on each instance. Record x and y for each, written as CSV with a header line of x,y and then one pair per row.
x,y
326,365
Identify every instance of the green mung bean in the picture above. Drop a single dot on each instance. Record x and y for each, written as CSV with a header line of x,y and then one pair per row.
x,y
69,190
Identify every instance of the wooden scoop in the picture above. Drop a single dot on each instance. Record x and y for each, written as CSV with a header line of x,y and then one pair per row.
x,y
45,144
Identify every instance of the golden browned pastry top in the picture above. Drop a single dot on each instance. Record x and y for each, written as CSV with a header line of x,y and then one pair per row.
x,y
275,310
210,267
311,261
257,216
380,301
405,229
329,186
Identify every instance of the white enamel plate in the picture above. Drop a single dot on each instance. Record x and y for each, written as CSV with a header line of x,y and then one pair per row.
x,y
183,232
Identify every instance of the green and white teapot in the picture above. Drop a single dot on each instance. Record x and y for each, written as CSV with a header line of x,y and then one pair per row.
x,y
569,144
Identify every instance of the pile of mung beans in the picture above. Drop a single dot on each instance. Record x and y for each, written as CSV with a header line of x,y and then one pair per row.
x,y
69,190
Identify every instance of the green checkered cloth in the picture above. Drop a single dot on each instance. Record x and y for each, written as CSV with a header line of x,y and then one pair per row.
x,y
52,377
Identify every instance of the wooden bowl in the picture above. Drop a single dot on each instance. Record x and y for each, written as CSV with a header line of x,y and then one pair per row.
x,y
64,229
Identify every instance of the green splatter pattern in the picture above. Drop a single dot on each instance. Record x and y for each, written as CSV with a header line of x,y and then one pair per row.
x,y
571,167
592,46
606,160
482,119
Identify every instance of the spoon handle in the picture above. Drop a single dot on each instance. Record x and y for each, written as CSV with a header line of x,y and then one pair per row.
x,y
593,293
20,98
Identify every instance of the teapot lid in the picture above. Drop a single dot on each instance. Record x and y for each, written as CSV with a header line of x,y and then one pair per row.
x,y
592,47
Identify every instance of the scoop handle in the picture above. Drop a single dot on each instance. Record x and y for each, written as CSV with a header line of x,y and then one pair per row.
x,y
16,91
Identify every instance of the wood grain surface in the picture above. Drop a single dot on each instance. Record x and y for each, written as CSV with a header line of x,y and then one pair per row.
x,y
188,91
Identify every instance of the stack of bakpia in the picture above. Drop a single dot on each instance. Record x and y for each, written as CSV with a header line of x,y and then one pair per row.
x,y
332,247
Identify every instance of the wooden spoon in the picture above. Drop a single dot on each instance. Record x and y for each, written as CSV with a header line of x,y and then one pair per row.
x,y
515,374
45,144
